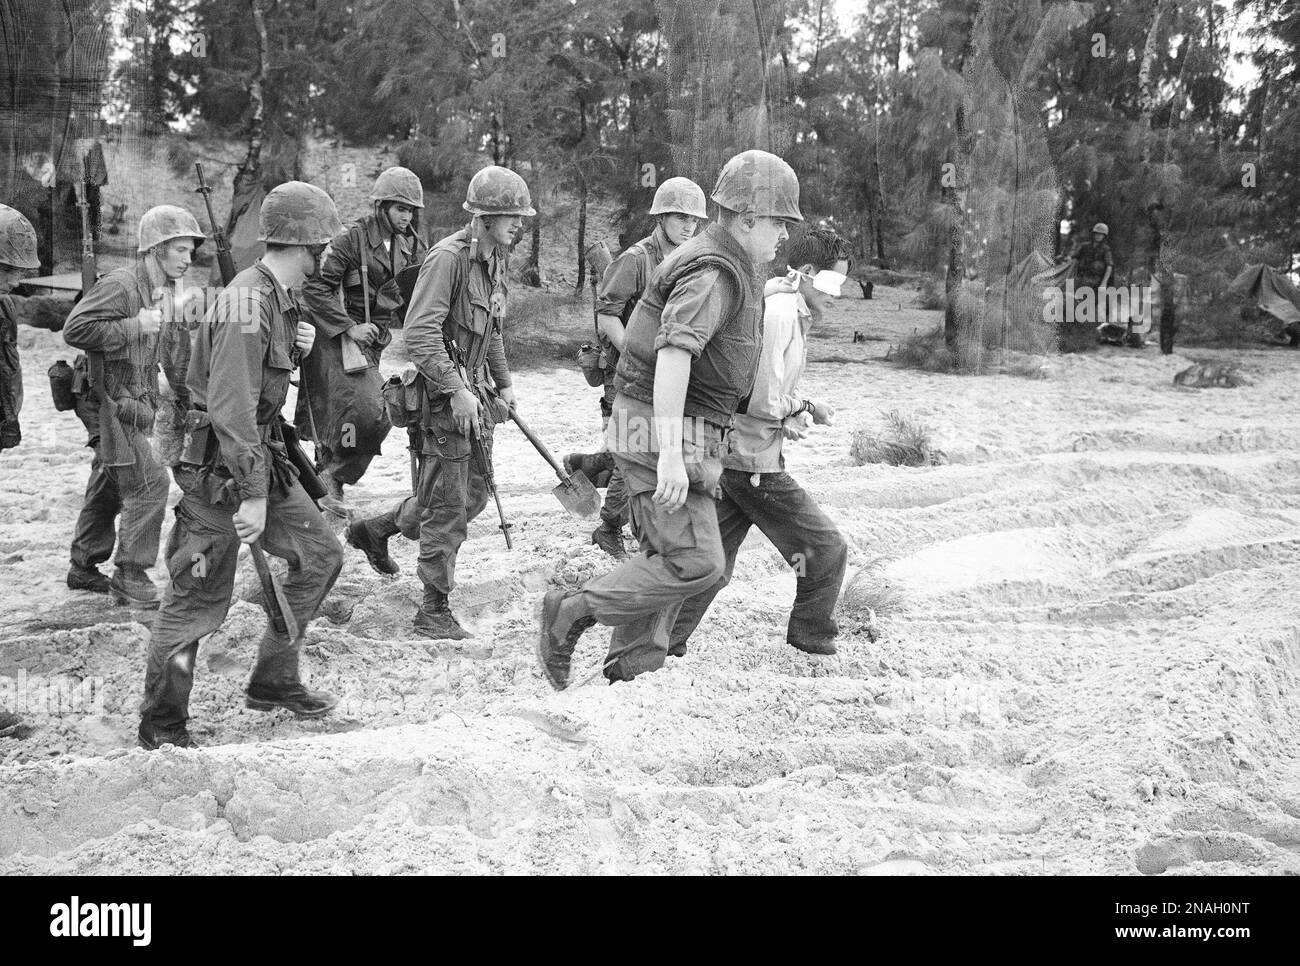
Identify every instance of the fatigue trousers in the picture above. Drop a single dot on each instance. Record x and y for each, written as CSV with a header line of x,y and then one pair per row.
x,y
135,498
681,555
202,558
803,534
451,493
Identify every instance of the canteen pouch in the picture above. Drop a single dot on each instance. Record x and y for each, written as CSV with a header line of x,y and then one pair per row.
x,y
62,377
403,398
590,358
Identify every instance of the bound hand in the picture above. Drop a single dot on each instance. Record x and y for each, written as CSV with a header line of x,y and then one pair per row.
x,y
464,411
788,284
250,519
673,482
150,321
795,427
306,337
823,413
364,333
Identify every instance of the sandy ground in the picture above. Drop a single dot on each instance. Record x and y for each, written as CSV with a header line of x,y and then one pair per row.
x,y
1090,665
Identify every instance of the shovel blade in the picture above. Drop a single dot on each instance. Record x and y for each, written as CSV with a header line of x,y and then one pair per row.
x,y
578,496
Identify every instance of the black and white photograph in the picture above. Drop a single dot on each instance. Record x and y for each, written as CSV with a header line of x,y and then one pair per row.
x,y
680,438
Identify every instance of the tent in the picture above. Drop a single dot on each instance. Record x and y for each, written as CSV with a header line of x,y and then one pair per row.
x,y
1273,293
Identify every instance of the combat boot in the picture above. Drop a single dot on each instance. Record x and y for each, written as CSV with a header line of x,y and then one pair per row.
x,y
556,653
371,538
132,586
814,645
87,578
435,620
610,539
152,737
292,697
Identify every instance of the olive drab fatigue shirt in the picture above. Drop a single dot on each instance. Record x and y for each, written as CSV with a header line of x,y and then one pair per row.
x,y
465,297
107,321
243,354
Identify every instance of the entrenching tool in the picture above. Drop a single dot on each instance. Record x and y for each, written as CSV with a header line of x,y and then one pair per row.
x,y
277,604
575,492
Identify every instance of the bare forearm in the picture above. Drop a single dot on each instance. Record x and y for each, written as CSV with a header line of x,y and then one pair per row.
x,y
612,328
672,372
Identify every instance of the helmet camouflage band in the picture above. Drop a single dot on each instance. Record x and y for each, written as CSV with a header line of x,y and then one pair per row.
x,y
17,240
680,196
398,184
758,183
1101,227
297,213
498,191
165,222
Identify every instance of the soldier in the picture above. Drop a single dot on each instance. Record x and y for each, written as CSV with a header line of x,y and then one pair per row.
x,y
692,350
459,297
346,408
678,207
1093,261
128,324
17,255
237,483
756,490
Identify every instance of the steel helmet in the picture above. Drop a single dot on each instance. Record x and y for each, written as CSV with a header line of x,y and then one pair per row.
x,y
680,196
1101,227
17,240
165,222
758,183
297,213
498,191
398,184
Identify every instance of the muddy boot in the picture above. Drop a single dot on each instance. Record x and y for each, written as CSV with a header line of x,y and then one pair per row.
x,y
677,650
275,683
371,538
816,645
610,539
555,644
152,737
596,467
133,587
435,620
87,578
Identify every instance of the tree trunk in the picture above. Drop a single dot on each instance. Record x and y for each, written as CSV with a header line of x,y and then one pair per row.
x,y
956,235
1146,89
877,191
582,233
251,168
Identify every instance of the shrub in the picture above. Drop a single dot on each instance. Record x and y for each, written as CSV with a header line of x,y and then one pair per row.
x,y
903,442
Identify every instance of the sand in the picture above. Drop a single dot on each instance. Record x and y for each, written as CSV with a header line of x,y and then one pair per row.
x,y
1090,665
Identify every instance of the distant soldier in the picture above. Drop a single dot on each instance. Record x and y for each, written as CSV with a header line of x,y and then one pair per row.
x,y
236,480
459,298
17,256
689,359
129,324
756,490
346,408
1093,262
679,207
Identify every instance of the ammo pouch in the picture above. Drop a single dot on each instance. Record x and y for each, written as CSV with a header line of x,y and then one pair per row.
x,y
200,442
404,398
592,360
62,376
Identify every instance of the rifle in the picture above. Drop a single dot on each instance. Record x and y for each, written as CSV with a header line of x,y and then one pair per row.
x,y
115,448
277,604
476,440
225,263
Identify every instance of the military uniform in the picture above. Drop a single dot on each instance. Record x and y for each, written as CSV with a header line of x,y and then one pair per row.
x,y
126,483
1092,259
461,297
347,409
17,251
620,290
238,382
707,299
